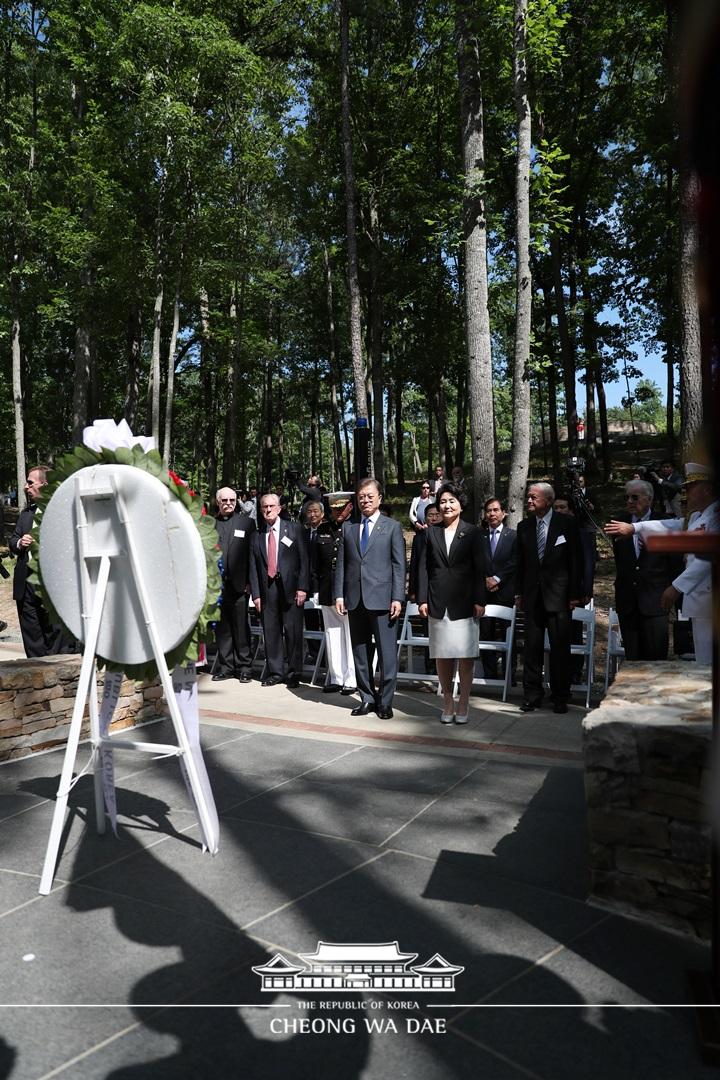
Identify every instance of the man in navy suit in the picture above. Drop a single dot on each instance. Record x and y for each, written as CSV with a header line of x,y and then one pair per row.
x,y
498,544
279,583
548,587
369,589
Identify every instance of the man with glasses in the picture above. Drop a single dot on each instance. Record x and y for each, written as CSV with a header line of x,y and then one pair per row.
x,y
369,589
232,631
641,580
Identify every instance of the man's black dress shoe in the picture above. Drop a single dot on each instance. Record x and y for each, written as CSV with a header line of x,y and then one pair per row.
x,y
221,675
272,680
244,676
348,690
529,706
363,709
292,682
331,688
560,707
384,714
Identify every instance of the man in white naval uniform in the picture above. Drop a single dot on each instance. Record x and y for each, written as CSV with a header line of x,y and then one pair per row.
x,y
695,582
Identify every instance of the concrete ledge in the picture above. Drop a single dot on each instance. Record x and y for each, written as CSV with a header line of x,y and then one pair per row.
x,y
37,699
647,752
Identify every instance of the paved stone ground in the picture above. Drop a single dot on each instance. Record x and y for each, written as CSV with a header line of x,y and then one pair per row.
x,y
468,842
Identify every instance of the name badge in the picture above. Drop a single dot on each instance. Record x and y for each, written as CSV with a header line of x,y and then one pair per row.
x,y
286,541
239,532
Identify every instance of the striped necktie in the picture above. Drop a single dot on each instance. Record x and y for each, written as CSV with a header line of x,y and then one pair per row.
x,y
541,537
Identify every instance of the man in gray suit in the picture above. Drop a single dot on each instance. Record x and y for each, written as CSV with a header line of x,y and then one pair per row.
x,y
369,588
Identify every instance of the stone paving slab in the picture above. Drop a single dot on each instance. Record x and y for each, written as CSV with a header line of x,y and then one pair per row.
x,y
477,857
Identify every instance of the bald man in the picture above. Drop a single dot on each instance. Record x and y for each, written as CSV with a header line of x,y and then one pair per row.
x,y
232,631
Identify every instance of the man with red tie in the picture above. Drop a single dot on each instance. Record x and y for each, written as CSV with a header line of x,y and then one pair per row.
x,y
279,583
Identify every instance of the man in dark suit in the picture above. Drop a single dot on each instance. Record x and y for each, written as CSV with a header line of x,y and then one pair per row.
x,y
232,631
40,638
279,583
369,588
547,590
641,579
498,545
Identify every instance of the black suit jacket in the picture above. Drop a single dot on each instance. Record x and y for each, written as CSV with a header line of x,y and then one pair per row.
x,y
641,580
322,555
502,565
235,539
23,525
292,561
557,580
452,581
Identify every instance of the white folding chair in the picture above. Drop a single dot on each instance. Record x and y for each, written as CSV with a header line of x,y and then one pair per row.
x,y
504,647
314,635
410,640
615,649
586,648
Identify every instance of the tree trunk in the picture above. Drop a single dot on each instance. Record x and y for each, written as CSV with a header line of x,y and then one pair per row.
x,y
81,385
134,346
172,356
232,383
399,433
417,463
209,396
154,389
604,431
335,372
439,402
361,410
474,231
520,453
18,406
461,420
567,350
691,381
390,429
376,343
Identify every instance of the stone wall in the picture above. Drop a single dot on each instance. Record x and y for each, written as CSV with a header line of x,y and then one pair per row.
x,y
37,699
647,751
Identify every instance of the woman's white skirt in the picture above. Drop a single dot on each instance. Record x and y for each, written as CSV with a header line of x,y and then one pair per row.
x,y
453,639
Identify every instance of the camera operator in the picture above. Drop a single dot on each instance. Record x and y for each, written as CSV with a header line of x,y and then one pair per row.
x,y
314,491
668,483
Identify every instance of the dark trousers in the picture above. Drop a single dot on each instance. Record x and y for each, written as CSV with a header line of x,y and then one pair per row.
x,y
644,637
232,635
557,623
282,632
367,627
40,637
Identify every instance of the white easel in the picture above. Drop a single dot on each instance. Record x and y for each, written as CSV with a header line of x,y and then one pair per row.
x,y
97,547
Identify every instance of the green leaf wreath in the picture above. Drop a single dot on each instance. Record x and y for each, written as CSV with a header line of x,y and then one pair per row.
x,y
82,457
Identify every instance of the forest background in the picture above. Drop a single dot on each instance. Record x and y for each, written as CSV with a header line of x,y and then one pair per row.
x,y
244,226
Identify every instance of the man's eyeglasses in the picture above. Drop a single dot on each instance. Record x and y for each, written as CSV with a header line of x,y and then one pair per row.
x,y
634,498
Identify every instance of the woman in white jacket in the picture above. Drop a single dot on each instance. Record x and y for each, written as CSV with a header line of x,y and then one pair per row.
x,y
420,504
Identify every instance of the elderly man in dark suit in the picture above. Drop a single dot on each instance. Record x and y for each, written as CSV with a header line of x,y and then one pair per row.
x,y
40,638
641,579
279,583
369,588
547,589
232,631
499,548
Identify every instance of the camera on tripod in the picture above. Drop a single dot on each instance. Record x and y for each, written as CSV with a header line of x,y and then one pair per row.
x,y
574,469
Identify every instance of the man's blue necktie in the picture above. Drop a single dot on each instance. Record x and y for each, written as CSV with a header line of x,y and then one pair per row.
x,y
365,536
